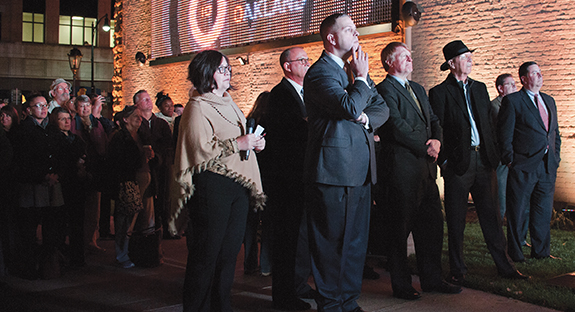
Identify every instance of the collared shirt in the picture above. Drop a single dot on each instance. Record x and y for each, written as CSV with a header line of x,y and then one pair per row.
x,y
475,141
298,88
532,97
402,82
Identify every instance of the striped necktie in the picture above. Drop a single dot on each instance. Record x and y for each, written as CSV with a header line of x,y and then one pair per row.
x,y
410,90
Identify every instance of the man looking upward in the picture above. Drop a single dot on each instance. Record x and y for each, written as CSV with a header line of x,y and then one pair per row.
x,y
343,110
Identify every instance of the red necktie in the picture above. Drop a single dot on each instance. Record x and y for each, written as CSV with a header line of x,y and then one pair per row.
x,y
542,111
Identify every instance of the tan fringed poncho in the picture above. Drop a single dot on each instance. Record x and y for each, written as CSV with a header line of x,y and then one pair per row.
x,y
208,130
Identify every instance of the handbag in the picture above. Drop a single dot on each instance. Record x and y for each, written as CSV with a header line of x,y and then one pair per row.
x,y
129,198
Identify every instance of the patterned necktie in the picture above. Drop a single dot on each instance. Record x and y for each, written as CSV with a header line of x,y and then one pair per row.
x,y
347,68
542,112
410,90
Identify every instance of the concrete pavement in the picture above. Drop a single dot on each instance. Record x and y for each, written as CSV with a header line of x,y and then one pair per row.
x,y
104,286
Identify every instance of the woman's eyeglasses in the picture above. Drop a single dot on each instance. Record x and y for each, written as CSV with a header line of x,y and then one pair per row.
x,y
225,70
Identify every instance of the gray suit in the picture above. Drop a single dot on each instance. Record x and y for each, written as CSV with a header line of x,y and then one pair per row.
x,y
339,168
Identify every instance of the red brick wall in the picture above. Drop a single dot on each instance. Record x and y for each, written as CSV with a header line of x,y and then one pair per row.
x,y
506,34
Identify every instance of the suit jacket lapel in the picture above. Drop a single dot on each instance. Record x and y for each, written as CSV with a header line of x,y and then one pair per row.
x,y
296,96
531,107
421,95
340,71
403,91
456,92
550,109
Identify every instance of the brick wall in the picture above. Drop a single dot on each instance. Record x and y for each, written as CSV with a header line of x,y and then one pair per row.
x,y
261,74
506,34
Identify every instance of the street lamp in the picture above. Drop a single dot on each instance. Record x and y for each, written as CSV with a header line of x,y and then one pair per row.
x,y
106,28
75,58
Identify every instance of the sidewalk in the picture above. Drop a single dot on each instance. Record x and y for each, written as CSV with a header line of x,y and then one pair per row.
x,y
103,286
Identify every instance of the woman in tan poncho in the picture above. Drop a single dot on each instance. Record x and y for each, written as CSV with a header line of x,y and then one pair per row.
x,y
217,184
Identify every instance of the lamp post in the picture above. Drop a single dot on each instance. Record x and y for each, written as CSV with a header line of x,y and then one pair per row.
x,y
106,28
75,58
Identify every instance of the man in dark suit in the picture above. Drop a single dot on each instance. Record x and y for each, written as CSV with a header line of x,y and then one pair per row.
x,y
468,160
410,145
281,166
530,143
343,111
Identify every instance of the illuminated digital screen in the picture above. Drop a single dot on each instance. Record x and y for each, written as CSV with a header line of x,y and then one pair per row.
x,y
188,26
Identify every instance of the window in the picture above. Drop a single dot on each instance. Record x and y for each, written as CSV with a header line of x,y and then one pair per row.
x,y
75,30
111,32
32,27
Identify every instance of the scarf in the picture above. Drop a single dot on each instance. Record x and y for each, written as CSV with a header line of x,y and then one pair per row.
x,y
209,127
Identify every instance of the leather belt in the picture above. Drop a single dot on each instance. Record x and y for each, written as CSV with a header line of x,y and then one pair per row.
x,y
474,148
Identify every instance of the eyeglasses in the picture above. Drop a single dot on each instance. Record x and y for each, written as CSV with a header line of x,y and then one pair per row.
x,y
84,105
40,105
303,60
225,70
64,118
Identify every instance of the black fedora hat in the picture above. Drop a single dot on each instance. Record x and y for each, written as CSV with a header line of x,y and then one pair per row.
x,y
453,49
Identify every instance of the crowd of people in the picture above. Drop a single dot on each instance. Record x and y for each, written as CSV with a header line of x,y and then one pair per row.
x,y
64,164
314,172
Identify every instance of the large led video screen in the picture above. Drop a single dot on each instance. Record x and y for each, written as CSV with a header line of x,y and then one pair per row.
x,y
188,26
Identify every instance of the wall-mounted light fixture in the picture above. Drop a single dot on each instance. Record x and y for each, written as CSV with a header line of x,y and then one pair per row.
x,y
409,15
141,58
243,61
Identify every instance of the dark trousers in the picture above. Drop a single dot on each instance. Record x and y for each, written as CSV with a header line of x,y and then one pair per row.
x,y
75,203
285,207
415,208
338,224
218,212
533,192
481,181
53,220
302,259
251,242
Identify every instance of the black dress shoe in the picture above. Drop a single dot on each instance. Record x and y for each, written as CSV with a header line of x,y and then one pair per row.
x,y
294,304
310,294
407,294
456,279
516,275
443,287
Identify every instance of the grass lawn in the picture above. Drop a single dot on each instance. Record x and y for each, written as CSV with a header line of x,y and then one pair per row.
x,y
483,276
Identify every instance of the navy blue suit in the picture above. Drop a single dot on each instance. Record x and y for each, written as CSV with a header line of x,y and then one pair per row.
x,y
532,153
339,168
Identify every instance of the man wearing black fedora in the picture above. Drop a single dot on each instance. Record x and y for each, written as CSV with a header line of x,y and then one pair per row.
x,y
468,159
